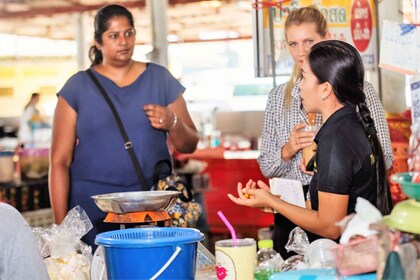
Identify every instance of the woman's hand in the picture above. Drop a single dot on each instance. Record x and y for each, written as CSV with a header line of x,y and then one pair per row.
x,y
160,117
254,197
295,138
303,168
298,140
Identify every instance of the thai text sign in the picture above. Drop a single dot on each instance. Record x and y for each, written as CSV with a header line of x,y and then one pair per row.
x,y
353,21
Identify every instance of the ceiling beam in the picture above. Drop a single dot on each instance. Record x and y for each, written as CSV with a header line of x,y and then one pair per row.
x,y
49,11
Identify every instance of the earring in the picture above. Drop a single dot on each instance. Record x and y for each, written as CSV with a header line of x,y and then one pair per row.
x,y
324,98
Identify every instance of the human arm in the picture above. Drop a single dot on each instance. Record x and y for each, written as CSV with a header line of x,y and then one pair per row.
x,y
378,114
182,133
269,160
278,158
20,257
321,222
61,154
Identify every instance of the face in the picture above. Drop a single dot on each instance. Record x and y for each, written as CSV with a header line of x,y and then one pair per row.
x,y
300,39
310,89
36,99
118,41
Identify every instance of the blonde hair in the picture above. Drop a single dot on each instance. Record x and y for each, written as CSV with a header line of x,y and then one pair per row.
x,y
303,15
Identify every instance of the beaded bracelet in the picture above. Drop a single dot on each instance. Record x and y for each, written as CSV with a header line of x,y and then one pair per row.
x,y
175,121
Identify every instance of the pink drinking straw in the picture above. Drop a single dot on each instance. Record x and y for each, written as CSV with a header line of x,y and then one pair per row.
x,y
229,226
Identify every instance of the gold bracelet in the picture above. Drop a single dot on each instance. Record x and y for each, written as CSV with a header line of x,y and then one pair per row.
x,y
175,121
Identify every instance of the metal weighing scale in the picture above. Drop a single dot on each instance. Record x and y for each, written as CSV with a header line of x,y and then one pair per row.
x,y
137,209
138,219
131,209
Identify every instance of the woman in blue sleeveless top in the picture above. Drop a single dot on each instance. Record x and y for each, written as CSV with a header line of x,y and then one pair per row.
x,y
88,156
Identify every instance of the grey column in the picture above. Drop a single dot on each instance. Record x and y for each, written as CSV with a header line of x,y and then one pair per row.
x,y
157,11
81,45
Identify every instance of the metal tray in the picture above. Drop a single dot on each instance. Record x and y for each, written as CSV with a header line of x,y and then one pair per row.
x,y
124,202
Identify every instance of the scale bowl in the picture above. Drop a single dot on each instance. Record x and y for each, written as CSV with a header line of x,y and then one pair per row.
x,y
411,189
125,202
405,216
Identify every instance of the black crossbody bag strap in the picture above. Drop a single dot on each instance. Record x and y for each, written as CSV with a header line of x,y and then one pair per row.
x,y
128,145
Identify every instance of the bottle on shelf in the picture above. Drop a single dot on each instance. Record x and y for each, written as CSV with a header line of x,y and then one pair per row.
x,y
268,260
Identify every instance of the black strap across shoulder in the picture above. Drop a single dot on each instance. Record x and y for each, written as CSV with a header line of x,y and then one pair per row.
x,y
128,145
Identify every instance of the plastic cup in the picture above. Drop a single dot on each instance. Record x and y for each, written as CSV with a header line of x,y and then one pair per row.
x,y
235,262
308,152
319,255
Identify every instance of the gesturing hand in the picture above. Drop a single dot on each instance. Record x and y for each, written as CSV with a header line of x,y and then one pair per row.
x,y
159,117
254,197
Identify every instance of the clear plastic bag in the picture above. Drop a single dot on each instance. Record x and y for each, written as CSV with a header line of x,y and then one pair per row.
x,y
65,255
414,148
298,242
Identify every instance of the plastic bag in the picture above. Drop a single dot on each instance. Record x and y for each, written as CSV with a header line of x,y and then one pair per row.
x,y
65,255
205,263
310,255
298,242
186,211
358,224
414,148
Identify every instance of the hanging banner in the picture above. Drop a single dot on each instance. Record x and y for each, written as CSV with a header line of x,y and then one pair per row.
x,y
400,47
353,21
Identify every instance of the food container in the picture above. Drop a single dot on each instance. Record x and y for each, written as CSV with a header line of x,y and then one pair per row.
x,y
411,189
125,202
34,163
405,216
6,166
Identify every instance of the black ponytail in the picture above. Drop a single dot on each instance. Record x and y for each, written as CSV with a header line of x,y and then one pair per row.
x,y
383,198
95,55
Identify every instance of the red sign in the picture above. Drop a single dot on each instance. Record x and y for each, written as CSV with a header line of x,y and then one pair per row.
x,y
361,24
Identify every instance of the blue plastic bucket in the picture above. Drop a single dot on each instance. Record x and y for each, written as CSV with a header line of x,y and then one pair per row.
x,y
144,253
